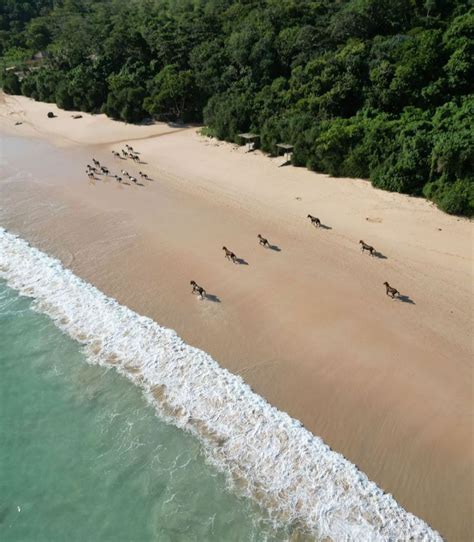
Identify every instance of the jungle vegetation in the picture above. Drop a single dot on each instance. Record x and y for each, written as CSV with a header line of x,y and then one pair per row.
x,y
377,89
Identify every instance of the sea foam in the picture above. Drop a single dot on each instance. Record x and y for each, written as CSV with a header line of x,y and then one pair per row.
x,y
268,455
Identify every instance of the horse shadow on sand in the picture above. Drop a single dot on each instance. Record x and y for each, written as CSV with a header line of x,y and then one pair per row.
x,y
275,248
325,227
405,299
241,261
379,255
213,298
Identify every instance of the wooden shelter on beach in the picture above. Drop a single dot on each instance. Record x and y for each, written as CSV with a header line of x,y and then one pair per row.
x,y
249,140
287,150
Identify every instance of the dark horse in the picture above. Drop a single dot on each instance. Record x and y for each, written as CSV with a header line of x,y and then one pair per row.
x,y
314,221
229,255
365,246
391,292
198,289
262,241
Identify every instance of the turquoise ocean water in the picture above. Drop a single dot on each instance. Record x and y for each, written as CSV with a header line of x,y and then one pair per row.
x,y
83,456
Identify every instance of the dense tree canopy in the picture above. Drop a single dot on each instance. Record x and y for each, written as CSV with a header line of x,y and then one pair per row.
x,y
379,89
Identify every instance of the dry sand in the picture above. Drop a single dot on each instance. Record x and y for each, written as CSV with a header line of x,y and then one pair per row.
x,y
308,325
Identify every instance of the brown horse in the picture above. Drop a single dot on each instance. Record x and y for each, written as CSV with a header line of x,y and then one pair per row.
x,y
198,289
229,254
365,246
262,241
391,292
314,221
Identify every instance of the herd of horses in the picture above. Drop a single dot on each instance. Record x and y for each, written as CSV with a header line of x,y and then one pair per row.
x,y
130,152
231,256
97,169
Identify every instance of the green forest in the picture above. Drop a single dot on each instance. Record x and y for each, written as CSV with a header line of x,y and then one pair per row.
x,y
376,89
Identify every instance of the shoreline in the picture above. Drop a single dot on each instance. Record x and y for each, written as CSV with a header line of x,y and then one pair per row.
x,y
296,476
393,396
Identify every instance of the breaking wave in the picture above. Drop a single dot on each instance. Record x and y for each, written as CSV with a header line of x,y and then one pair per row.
x,y
266,454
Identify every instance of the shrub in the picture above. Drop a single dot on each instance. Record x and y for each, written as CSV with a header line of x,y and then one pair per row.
x,y
11,83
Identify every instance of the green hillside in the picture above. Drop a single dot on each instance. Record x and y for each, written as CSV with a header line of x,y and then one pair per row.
x,y
378,89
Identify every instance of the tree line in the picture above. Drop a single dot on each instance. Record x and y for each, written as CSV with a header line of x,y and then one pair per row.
x,y
377,89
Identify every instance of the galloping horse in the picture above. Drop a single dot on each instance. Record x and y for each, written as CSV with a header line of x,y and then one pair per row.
x,y
229,254
198,289
262,241
391,292
314,221
365,246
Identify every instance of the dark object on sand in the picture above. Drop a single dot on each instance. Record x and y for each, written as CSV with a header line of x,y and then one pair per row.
x,y
198,289
77,116
51,115
18,122
391,292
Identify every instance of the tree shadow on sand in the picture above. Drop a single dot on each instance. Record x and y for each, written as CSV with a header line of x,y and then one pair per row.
x,y
179,125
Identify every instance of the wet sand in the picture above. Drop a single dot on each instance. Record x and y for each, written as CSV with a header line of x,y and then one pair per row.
x,y
307,324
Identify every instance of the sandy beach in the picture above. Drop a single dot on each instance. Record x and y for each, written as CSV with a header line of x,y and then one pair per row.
x,y
388,383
